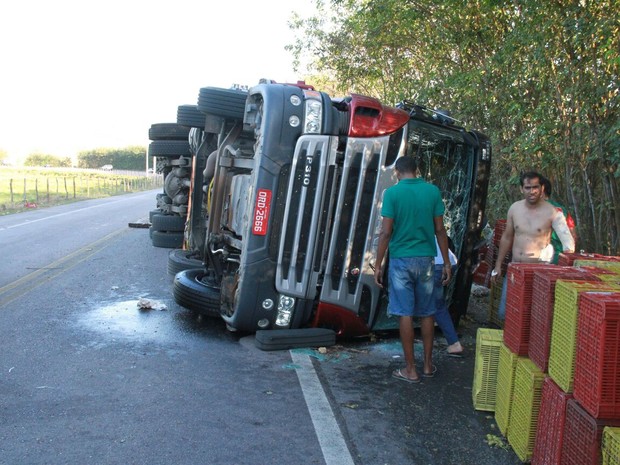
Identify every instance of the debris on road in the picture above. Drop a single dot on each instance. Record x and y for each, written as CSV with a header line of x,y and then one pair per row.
x,y
148,304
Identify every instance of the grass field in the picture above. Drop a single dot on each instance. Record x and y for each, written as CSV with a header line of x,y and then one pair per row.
x,y
24,188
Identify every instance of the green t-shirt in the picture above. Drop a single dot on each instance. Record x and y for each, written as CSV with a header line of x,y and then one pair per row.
x,y
412,204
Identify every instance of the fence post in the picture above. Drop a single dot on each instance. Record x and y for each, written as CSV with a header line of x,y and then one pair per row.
x,y
66,190
25,198
47,180
73,187
11,191
36,189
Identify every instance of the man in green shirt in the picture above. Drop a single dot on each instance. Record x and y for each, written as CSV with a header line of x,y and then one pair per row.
x,y
412,214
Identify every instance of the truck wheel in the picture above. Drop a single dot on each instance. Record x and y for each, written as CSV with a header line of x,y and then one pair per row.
x,y
229,103
190,116
192,292
181,260
168,223
165,239
169,148
168,131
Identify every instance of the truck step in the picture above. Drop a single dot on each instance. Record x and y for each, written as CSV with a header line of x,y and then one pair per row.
x,y
283,339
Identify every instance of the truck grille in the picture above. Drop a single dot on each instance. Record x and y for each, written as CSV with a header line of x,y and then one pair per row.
x,y
305,218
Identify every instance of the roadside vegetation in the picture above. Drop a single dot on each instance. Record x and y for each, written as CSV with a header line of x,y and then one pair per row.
x,y
542,79
24,188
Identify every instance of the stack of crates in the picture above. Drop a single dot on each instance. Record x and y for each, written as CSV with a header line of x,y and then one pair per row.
x,y
520,278
564,329
610,448
585,360
488,343
543,419
528,381
581,443
550,429
505,384
597,362
543,299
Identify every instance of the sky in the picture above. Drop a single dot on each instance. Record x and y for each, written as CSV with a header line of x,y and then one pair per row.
x,y
78,75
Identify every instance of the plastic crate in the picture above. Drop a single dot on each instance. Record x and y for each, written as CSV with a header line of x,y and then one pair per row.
x,y
610,446
568,259
550,429
543,298
518,305
597,359
581,443
495,296
486,365
528,381
605,270
505,383
564,329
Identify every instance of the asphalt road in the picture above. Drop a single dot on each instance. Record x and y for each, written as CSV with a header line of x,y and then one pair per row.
x,y
87,377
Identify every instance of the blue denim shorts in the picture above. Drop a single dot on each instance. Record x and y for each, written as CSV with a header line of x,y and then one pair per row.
x,y
410,286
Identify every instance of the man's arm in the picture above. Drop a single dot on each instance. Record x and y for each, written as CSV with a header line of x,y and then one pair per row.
x,y
562,230
384,239
442,240
505,246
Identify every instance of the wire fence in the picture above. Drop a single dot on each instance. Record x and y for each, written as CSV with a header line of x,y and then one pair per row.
x,y
26,189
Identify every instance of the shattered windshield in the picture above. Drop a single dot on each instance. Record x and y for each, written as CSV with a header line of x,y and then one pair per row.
x,y
445,159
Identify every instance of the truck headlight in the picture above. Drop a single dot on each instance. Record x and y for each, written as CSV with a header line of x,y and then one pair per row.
x,y
285,310
312,116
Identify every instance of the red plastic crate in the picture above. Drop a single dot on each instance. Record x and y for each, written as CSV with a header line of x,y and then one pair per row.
x,y
498,230
597,359
550,429
567,259
541,317
581,443
518,305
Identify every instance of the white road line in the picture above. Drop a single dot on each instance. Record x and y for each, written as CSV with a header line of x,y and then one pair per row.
x,y
64,214
333,445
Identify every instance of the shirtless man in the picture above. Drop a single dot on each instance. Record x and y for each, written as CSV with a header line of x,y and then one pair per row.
x,y
528,230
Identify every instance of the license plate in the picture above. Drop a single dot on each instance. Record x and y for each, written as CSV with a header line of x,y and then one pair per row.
x,y
261,212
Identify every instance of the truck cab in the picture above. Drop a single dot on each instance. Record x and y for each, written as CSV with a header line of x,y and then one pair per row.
x,y
287,192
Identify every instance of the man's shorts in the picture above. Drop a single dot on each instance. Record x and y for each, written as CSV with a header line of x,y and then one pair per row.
x,y
410,286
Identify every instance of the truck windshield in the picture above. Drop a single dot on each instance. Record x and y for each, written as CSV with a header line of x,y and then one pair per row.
x,y
445,158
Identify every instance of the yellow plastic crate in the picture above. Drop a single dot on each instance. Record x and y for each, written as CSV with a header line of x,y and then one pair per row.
x,y
610,446
528,381
494,299
564,329
610,270
488,342
505,383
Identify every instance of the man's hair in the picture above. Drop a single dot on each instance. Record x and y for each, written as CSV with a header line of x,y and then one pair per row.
x,y
530,175
546,186
406,165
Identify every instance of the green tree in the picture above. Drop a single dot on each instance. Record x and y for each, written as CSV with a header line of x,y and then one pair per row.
x,y
129,158
44,160
541,78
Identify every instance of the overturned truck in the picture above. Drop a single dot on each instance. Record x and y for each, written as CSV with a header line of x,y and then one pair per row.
x,y
284,204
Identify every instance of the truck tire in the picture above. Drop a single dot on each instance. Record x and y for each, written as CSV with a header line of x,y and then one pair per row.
x,y
229,103
173,223
168,131
190,291
165,239
181,260
190,116
169,148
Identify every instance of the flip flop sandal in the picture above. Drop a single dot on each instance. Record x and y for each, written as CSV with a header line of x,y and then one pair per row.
x,y
431,374
399,375
455,354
